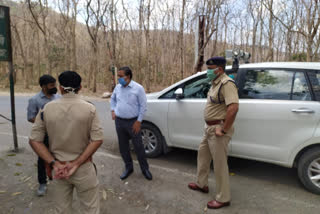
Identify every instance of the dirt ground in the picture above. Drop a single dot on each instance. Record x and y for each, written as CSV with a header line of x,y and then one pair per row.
x,y
256,188
18,186
167,193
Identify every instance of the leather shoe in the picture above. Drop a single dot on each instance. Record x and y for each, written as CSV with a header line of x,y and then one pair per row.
x,y
147,174
194,186
126,173
217,205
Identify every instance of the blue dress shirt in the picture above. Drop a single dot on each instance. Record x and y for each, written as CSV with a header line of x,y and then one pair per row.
x,y
130,101
37,102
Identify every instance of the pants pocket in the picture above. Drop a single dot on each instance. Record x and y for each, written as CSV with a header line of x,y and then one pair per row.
x,y
86,177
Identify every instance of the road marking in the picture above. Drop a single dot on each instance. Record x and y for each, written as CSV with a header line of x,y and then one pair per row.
x,y
106,154
10,134
151,165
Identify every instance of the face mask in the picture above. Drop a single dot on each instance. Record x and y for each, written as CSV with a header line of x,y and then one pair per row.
x,y
122,81
211,75
52,90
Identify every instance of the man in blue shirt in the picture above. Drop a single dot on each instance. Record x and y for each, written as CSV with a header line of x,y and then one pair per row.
x,y
128,106
36,103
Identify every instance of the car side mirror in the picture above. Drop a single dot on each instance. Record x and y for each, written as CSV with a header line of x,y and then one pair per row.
x,y
179,93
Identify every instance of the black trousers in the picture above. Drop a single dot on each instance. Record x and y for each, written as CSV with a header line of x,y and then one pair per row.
x,y
42,175
125,133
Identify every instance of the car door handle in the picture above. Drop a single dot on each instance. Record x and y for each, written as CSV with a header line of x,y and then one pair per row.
x,y
303,110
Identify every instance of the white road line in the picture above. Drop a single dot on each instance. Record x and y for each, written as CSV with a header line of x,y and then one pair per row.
x,y
106,154
10,134
151,165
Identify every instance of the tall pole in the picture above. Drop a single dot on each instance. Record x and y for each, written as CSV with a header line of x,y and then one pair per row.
x,y
196,43
13,111
6,55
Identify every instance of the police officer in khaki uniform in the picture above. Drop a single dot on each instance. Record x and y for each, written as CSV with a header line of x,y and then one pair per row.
x,y
219,114
74,134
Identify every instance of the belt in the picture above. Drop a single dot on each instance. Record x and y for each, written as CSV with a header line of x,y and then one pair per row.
x,y
88,160
214,122
127,119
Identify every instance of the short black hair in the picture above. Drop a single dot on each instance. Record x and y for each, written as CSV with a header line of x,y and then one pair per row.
x,y
46,79
70,79
127,71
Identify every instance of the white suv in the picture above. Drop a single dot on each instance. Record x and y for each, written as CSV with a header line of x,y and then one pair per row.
x,y
277,122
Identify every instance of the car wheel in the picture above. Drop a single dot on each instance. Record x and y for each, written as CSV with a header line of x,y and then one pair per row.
x,y
152,140
309,170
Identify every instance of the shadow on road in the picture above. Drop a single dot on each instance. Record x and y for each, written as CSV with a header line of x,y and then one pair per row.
x,y
184,159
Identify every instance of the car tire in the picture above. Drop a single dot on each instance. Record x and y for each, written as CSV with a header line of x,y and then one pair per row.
x,y
308,167
152,140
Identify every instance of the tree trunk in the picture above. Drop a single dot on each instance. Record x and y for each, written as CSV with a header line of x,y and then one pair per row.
x,y
148,47
181,32
140,72
24,58
253,48
200,60
270,35
96,67
73,36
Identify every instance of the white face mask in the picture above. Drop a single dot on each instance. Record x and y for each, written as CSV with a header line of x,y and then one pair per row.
x,y
69,89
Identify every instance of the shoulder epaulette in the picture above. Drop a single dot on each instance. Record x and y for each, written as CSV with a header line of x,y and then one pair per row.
x,y
225,81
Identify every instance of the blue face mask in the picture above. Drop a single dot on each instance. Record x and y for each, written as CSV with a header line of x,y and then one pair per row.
x,y
122,81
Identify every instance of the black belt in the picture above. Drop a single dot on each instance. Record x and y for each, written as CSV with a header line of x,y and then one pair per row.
x,y
127,119
214,122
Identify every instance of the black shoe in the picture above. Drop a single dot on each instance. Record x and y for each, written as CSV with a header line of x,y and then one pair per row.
x,y
126,173
147,174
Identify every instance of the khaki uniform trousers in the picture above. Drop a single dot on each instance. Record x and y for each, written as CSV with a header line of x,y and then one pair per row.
x,y
216,149
87,186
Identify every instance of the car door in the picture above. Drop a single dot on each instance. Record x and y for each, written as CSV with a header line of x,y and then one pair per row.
x,y
185,116
276,113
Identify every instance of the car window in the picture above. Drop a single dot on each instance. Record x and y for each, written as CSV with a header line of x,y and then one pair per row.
x,y
169,94
267,84
314,77
300,87
275,84
197,88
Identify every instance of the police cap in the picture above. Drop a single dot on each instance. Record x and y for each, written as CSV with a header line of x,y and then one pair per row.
x,y
217,60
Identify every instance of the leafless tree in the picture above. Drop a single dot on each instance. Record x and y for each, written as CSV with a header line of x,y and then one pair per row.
x,y
95,12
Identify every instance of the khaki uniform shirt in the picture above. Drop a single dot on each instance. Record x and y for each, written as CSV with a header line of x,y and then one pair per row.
x,y
216,107
71,123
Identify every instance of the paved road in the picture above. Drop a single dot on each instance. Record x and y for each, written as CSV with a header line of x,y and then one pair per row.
x,y
256,187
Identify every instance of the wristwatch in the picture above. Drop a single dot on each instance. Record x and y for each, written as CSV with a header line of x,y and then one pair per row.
x,y
52,163
223,132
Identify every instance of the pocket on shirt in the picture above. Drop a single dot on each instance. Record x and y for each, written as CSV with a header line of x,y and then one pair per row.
x,y
215,99
132,99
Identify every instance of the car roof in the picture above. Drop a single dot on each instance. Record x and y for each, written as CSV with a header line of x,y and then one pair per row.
x,y
281,65
294,65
